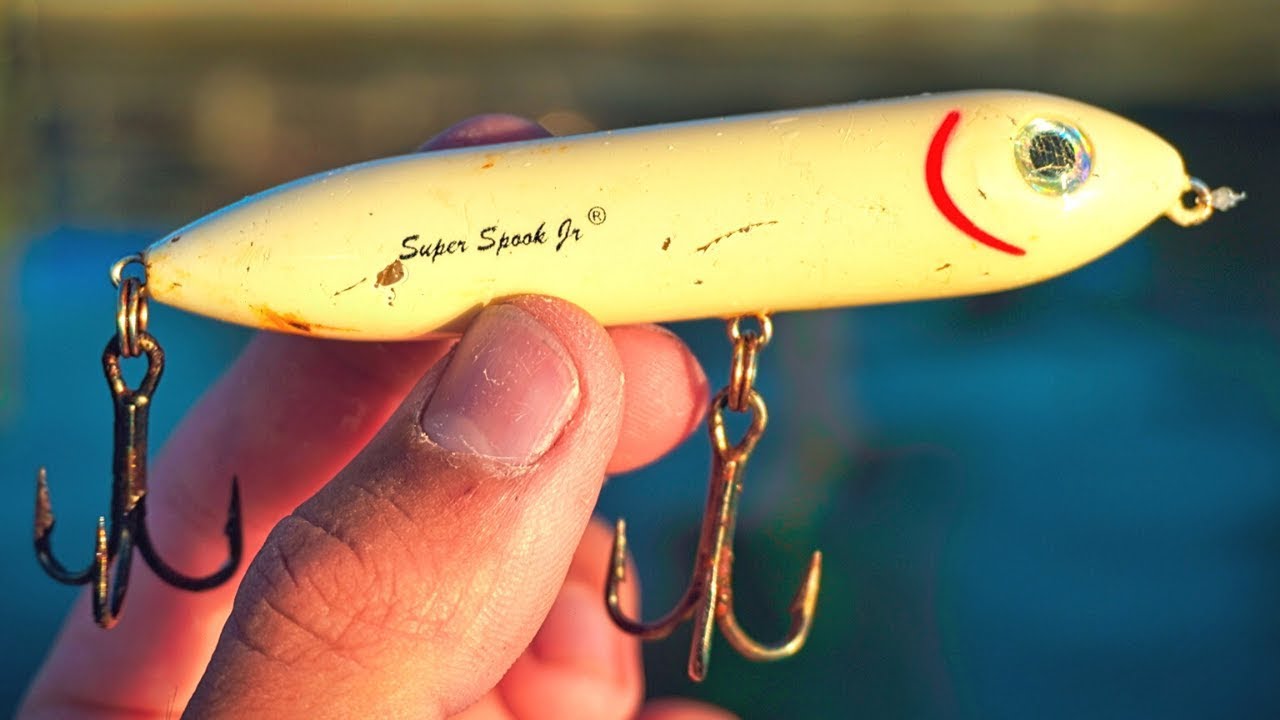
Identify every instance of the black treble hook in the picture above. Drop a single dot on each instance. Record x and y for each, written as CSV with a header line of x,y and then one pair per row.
x,y
127,528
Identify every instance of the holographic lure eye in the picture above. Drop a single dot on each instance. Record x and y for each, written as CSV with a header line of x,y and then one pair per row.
x,y
1055,158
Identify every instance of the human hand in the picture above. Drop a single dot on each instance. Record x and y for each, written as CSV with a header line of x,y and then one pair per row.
x,y
434,559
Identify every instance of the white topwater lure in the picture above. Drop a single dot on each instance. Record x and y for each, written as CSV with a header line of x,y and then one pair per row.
x,y
874,202
905,199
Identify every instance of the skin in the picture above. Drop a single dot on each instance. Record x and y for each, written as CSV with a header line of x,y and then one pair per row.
x,y
391,577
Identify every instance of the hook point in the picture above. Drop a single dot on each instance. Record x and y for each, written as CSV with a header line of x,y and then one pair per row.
x,y
44,505
233,510
805,602
618,565
101,566
100,553
107,600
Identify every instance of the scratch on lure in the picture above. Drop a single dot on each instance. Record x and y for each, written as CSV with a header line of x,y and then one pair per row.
x,y
894,200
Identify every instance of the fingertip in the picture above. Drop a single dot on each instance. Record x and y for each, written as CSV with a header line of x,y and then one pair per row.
x,y
580,664
666,394
681,709
487,129
578,632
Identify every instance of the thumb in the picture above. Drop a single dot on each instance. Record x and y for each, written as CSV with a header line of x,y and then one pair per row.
x,y
412,581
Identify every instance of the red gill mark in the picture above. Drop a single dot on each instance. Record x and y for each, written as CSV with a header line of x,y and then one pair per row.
x,y
942,199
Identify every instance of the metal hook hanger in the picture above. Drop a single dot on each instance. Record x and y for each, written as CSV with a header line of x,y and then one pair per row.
x,y
127,529
708,600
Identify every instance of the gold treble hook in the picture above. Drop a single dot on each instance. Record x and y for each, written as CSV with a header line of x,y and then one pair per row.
x,y
708,600
127,530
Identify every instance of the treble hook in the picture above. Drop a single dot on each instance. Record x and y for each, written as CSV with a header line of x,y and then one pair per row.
x,y
127,529
708,599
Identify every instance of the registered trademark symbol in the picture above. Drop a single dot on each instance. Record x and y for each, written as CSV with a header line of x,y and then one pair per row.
x,y
596,215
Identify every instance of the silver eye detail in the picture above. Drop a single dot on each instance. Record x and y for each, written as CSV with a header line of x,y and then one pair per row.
x,y
1053,157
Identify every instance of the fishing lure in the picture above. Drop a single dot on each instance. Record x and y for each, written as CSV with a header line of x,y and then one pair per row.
x,y
906,199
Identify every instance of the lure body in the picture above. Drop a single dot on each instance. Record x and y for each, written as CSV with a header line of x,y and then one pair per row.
x,y
856,204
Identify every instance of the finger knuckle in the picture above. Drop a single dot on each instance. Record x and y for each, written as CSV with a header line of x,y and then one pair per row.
x,y
313,591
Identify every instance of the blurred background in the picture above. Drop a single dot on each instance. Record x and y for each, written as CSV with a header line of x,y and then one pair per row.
x,y
1058,502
